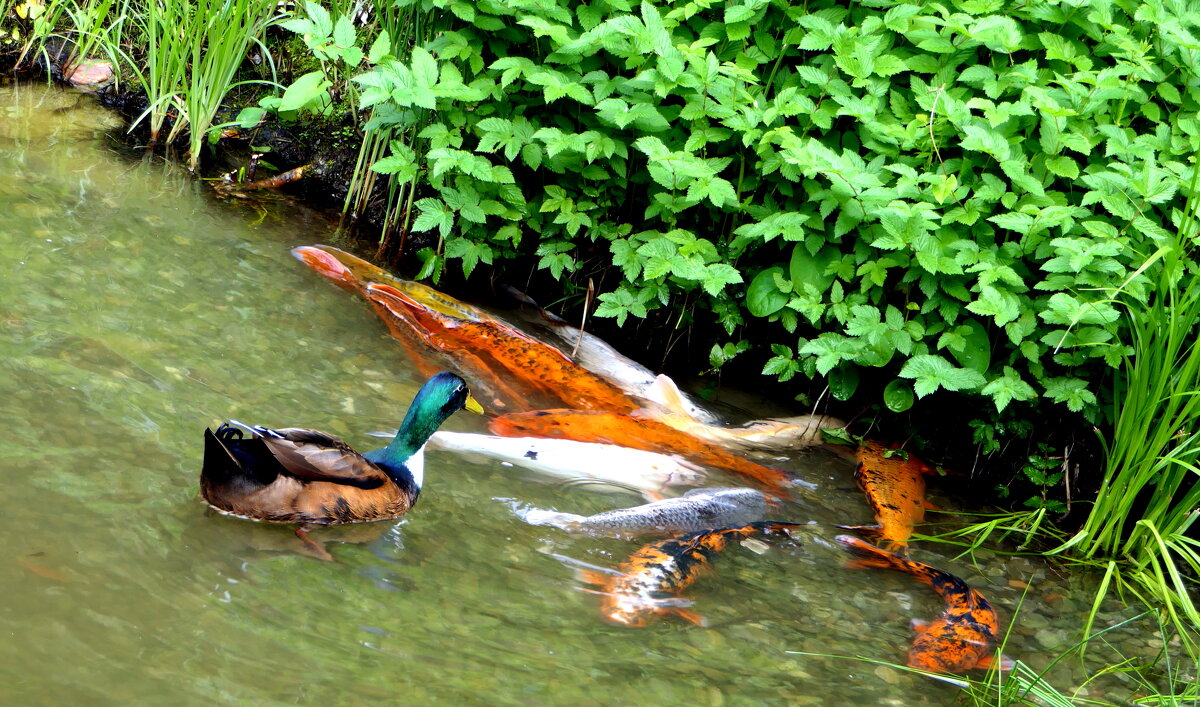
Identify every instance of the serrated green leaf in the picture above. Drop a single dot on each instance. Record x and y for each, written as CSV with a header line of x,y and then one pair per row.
x,y
930,372
1007,388
1063,166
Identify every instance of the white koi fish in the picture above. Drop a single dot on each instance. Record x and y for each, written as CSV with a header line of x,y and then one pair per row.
x,y
620,467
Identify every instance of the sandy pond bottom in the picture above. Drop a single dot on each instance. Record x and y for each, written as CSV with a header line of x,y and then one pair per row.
x,y
136,310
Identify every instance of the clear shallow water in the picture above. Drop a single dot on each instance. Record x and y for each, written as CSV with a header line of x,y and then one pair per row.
x,y
135,311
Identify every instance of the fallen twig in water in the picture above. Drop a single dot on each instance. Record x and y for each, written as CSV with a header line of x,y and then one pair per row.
x,y
292,175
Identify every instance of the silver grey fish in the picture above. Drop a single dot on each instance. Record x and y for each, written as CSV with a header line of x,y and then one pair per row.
x,y
698,509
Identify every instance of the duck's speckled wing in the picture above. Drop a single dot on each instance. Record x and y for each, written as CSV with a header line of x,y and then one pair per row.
x,y
312,455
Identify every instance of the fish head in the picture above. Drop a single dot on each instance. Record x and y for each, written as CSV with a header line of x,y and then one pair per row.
x,y
342,268
327,266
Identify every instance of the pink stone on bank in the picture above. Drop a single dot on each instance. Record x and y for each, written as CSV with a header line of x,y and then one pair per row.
x,y
91,74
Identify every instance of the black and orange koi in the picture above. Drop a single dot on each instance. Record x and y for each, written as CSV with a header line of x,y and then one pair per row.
x,y
963,637
649,582
895,490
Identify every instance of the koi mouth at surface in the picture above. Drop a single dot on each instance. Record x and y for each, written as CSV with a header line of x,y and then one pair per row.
x,y
327,266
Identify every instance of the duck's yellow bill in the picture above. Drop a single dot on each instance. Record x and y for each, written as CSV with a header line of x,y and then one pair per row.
x,y
472,405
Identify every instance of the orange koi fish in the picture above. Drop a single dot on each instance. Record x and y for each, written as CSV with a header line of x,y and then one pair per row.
x,y
352,273
895,490
532,363
649,582
632,431
963,637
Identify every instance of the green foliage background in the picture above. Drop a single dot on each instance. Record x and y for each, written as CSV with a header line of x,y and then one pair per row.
x,y
949,191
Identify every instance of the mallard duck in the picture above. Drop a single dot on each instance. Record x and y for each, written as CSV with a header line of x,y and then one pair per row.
x,y
297,475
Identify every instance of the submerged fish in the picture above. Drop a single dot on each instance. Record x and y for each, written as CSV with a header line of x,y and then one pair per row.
x,y
773,435
598,356
697,509
618,467
352,273
515,355
963,637
632,431
895,490
593,354
649,582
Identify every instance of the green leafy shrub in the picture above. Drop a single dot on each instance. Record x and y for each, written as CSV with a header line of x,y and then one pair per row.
x,y
945,191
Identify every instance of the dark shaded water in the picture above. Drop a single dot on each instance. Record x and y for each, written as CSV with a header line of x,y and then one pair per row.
x,y
135,311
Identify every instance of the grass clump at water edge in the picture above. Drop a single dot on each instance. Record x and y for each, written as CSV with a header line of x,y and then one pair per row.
x,y
1138,529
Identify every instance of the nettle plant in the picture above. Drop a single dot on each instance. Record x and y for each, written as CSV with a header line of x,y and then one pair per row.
x,y
950,191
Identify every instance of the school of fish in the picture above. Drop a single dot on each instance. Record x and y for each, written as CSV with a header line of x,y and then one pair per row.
x,y
597,417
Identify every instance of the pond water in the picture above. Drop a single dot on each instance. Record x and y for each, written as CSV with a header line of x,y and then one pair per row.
x,y
137,310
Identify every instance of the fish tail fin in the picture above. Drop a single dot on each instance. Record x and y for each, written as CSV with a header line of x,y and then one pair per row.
x,y
868,556
692,616
537,516
762,527
1002,662
767,527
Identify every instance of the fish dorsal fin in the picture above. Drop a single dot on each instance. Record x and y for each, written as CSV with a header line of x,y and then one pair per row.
x,y
313,455
664,392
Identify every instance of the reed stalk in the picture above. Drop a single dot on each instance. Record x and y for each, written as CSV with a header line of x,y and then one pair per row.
x,y
404,27
161,62
223,32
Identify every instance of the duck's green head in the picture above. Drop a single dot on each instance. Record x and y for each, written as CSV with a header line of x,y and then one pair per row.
x,y
442,395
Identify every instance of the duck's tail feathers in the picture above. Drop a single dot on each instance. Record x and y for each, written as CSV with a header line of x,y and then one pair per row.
x,y
220,465
229,457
